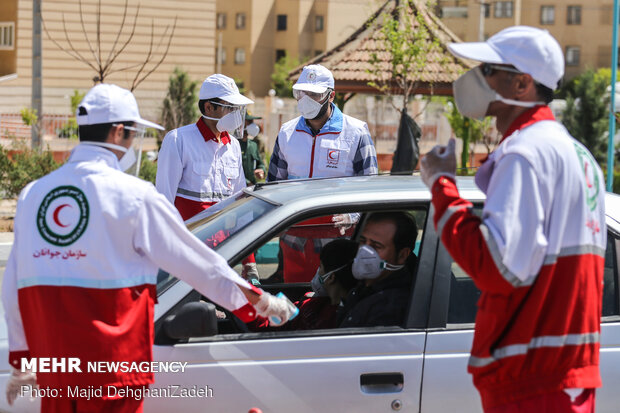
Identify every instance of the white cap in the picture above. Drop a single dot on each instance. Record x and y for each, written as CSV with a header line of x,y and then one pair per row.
x,y
107,103
531,50
222,87
315,78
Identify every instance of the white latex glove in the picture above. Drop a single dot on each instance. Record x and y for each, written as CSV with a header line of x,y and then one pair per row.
x,y
345,221
15,383
440,161
278,310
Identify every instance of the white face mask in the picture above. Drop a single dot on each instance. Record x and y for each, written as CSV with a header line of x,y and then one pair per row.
x,y
472,95
310,108
126,161
318,281
367,264
230,122
253,130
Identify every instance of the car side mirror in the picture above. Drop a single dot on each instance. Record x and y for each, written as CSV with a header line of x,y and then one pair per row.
x,y
195,319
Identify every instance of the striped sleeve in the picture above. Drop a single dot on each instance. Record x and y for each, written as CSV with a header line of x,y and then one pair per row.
x,y
365,160
505,249
278,167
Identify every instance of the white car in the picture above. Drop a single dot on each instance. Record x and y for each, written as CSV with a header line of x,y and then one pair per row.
x,y
420,365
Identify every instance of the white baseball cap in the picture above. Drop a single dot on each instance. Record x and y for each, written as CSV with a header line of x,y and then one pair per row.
x,y
531,50
222,87
107,103
315,78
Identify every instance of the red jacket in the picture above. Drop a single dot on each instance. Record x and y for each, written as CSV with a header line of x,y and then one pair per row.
x,y
537,255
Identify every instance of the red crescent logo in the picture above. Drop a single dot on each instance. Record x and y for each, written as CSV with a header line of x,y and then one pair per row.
x,y
56,212
332,154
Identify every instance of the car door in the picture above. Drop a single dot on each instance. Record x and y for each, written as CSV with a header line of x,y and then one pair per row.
x,y
452,315
351,369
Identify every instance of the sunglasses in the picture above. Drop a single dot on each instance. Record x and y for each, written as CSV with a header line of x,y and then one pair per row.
x,y
488,69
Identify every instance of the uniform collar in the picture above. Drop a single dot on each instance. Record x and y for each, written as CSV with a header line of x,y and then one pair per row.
x,y
82,153
529,117
208,135
333,124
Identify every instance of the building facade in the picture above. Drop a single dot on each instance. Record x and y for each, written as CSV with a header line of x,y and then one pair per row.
x,y
191,48
582,27
252,35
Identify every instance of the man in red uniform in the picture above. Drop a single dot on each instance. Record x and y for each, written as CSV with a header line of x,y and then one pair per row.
x,y
82,284
537,252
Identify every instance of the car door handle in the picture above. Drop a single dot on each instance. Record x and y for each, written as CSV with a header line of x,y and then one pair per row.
x,y
382,382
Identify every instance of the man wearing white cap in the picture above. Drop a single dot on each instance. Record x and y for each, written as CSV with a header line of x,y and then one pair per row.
x,y
200,164
322,142
82,284
537,253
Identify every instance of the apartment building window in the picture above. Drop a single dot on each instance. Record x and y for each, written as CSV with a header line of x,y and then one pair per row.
x,y
239,56
487,10
240,21
572,55
7,35
221,20
281,22
280,53
318,23
503,9
221,58
573,15
547,14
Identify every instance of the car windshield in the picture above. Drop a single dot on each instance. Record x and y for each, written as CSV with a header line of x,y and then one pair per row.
x,y
219,223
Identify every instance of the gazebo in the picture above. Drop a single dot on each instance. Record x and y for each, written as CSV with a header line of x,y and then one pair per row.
x,y
350,61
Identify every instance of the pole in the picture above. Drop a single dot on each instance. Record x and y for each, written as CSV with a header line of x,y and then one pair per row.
x,y
517,12
219,53
481,22
36,74
612,110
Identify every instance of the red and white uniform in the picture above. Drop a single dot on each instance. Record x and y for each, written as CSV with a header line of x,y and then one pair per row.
x,y
195,171
81,277
537,255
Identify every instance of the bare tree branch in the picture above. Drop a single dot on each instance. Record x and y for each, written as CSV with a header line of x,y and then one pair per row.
x,y
163,56
118,34
90,46
76,55
101,69
133,30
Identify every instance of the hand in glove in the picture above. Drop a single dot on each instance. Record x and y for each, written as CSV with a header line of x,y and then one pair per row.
x,y
277,309
440,161
345,221
15,383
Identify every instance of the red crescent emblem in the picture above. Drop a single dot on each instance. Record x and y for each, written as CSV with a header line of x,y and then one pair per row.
x,y
56,212
332,154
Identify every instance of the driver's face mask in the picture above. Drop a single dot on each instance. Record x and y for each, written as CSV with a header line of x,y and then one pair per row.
x,y
129,162
318,281
367,264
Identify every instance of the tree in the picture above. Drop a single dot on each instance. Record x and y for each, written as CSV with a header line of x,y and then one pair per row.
x,y
587,110
279,78
180,104
405,44
104,65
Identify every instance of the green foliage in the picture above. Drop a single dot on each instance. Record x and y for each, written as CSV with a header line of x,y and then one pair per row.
x,y
279,78
23,166
69,129
76,98
469,130
405,36
180,104
587,110
148,169
241,85
29,116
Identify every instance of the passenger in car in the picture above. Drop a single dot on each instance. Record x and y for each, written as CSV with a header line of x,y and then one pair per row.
x,y
384,264
331,284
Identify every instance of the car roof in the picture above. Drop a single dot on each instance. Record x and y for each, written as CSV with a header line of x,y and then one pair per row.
x,y
401,186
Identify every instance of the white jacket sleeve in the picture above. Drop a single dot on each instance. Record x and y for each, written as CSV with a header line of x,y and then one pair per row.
x,y
169,166
12,315
164,239
514,215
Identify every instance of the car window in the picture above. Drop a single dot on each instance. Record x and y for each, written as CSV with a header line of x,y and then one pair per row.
x,y
464,294
288,261
219,223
